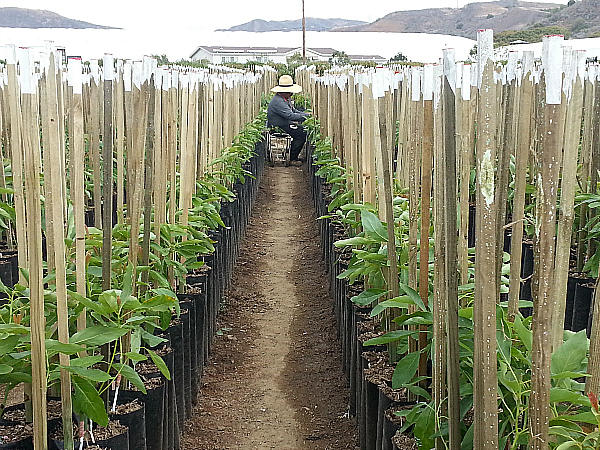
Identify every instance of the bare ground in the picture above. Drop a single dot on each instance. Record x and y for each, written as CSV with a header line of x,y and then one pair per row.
x,y
274,378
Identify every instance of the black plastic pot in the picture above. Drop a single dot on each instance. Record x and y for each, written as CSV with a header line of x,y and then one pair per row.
x,y
371,414
154,401
118,442
186,317
388,431
188,302
22,444
526,272
383,404
571,284
358,315
582,303
135,420
178,373
6,272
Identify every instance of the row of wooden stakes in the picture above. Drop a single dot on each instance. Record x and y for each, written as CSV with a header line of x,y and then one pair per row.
x,y
158,127
460,128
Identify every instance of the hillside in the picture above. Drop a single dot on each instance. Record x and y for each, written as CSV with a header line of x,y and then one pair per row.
x,y
39,18
312,24
500,15
581,18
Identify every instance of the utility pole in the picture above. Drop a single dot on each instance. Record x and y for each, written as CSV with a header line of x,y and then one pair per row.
x,y
303,35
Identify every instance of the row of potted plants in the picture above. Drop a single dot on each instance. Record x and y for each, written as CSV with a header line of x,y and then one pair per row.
x,y
124,324
354,242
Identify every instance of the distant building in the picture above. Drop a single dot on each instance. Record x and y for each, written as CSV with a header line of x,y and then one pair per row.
x,y
365,58
222,55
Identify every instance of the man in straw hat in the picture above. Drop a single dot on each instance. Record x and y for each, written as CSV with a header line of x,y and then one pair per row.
x,y
282,114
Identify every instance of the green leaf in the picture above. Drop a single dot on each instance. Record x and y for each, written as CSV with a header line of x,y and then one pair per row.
x,y
151,339
356,240
131,375
523,333
135,356
160,363
87,400
419,391
53,347
108,299
159,278
568,445
503,345
570,356
95,271
398,302
414,296
86,361
390,337
9,343
369,296
373,226
5,368
128,281
89,303
572,375
405,370
424,428
13,328
95,375
558,395
97,335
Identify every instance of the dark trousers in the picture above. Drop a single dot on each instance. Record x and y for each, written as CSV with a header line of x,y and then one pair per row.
x,y
298,133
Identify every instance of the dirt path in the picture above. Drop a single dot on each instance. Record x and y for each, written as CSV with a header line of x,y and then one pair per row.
x,y
274,378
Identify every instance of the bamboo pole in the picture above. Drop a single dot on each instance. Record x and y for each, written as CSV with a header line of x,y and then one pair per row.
x,y
547,185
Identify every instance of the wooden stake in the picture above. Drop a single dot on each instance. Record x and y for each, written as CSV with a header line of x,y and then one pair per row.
x,y
107,179
54,212
76,145
148,185
521,158
484,311
449,241
548,171
30,186
566,211
426,185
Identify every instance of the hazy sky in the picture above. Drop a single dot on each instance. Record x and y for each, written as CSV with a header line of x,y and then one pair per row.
x,y
212,14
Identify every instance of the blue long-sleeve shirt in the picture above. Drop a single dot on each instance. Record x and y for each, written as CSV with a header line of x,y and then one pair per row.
x,y
281,113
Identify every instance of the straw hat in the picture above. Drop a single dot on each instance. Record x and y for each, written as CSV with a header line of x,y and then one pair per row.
x,y
286,84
